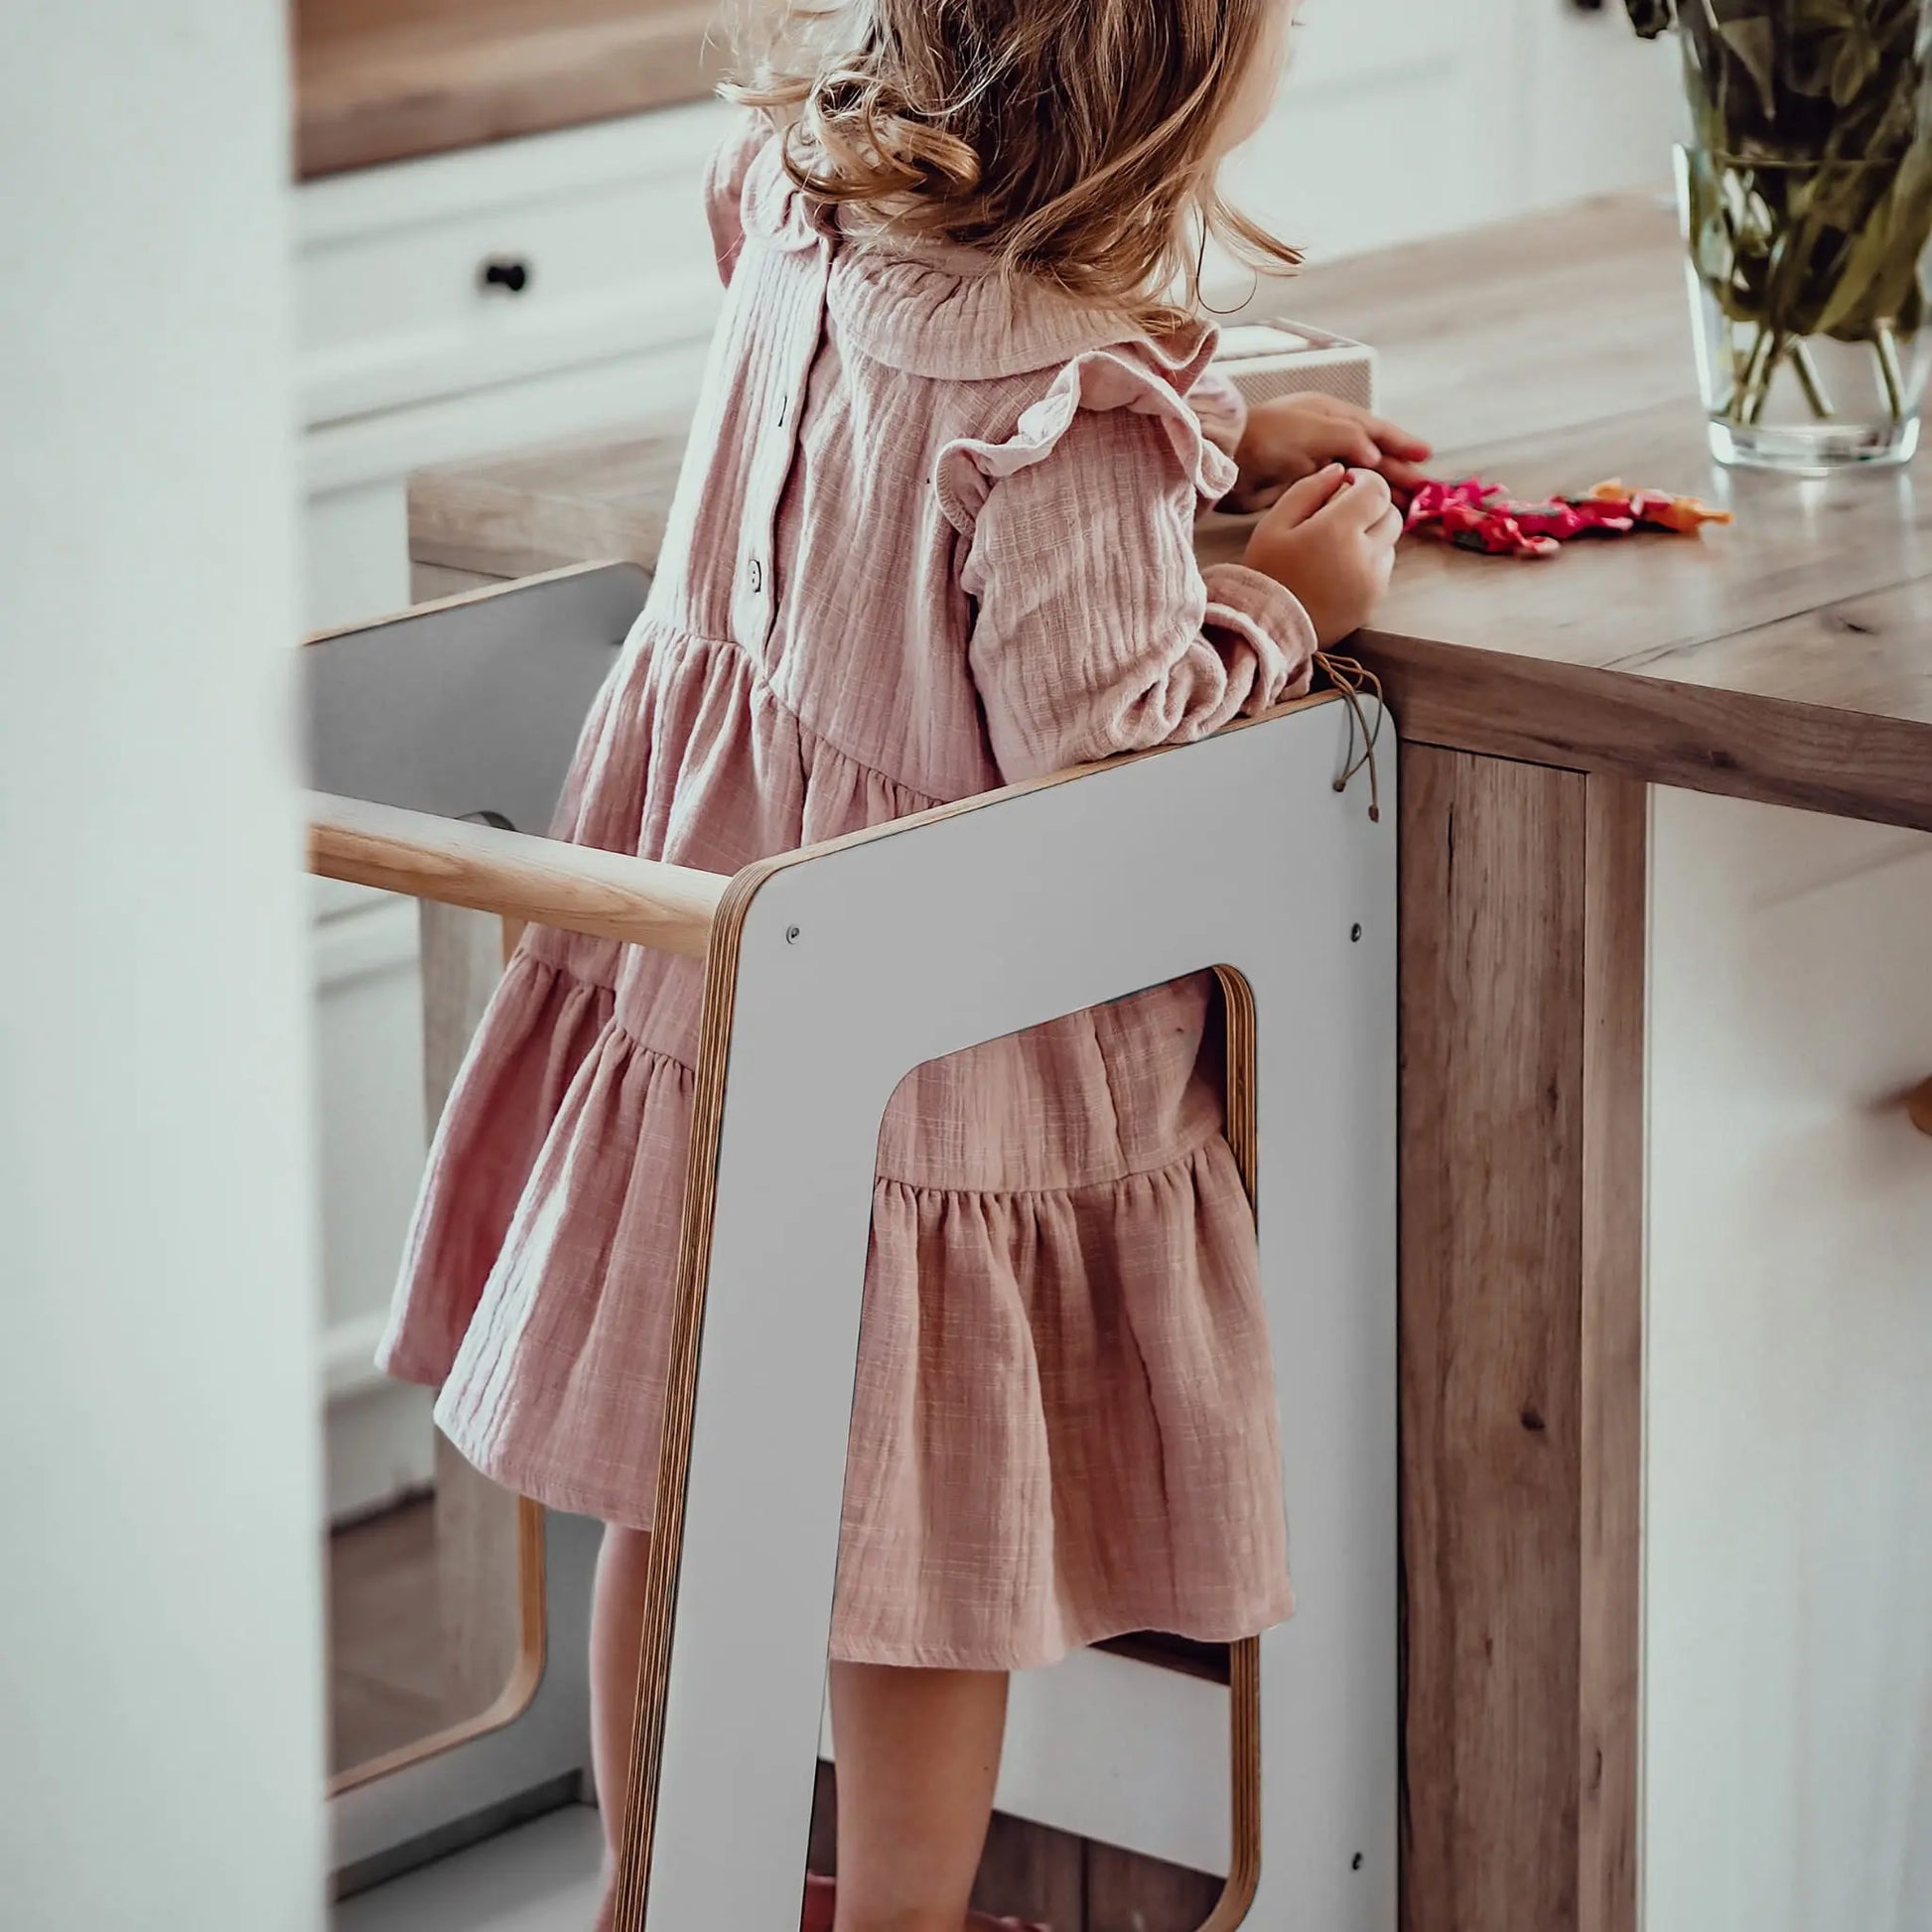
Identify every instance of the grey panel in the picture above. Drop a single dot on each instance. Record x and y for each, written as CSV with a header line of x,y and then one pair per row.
x,y
474,709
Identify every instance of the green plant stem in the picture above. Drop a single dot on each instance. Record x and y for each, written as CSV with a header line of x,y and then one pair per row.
x,y
1885,342
1806,369
1744,404
1766,372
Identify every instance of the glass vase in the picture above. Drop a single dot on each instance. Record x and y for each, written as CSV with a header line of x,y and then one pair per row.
x,y
1806,201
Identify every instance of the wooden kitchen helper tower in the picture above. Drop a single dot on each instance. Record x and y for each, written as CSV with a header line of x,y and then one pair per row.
x,y
830,973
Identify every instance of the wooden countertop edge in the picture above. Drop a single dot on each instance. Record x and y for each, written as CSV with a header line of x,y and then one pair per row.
x,y
1775,751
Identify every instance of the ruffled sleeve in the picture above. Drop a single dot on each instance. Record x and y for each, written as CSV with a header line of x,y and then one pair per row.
x,y
724,188
1095,631
1221,408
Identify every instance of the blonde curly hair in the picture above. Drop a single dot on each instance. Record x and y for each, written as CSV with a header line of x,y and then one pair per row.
x,y
1073,140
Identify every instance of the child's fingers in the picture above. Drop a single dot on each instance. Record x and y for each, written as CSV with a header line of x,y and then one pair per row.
x,y
1390,437
1249,501
1397,441
1384,446
1361,505
1403,475
1339,436
1302,500
1387,527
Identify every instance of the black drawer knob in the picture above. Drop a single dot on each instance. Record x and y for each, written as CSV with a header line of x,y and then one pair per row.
x,y
505,273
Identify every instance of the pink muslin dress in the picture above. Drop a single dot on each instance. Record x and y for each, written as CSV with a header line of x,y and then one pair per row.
x,y
931,536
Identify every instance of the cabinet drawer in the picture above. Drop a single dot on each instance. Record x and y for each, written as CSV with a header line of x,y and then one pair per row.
x,y
438,277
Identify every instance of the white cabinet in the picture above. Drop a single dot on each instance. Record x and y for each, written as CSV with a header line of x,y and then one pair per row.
x,y
477,300
446,276
1593,107
1788,1624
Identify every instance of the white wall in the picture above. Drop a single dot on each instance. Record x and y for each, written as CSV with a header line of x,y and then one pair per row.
x,y
1788,1536
1402,119
159,1680
1595,108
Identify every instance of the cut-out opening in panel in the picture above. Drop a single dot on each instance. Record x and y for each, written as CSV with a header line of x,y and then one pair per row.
x,y
1056,1858
434,1578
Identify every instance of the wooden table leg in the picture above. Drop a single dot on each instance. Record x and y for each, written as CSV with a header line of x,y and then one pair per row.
x,y
1522,1068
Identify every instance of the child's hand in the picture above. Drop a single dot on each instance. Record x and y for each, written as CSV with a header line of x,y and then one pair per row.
x,y
1330,539
1293,436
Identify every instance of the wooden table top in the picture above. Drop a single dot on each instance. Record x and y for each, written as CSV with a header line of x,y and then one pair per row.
x,y
1787,658
380,80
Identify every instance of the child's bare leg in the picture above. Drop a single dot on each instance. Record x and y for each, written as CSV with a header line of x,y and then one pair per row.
x,y
617,1634
919,1753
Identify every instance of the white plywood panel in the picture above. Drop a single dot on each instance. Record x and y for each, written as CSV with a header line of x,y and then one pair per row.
x,y
474,708
369,1101
864,961
1111,1750
1788,1693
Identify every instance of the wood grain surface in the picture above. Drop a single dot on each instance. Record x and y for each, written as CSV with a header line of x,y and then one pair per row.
x,y
542,510
1786,658
1744,745
516,875
379,81
1616,846
1492,1207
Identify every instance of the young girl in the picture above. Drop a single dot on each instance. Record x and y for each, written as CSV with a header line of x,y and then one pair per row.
x,y
934,533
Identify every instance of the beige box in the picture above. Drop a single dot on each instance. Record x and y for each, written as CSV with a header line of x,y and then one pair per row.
x,y
1282,359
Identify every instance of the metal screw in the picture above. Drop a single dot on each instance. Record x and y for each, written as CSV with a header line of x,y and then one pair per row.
x,y
1354,935
792,935
1355,1864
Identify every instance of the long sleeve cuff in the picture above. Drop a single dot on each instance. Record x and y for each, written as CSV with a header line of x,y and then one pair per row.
x,y
1270,619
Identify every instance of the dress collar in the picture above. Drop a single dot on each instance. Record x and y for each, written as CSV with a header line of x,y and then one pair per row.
x,y
933,309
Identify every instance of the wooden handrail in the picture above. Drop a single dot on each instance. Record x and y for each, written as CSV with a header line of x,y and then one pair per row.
x,y
540,882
